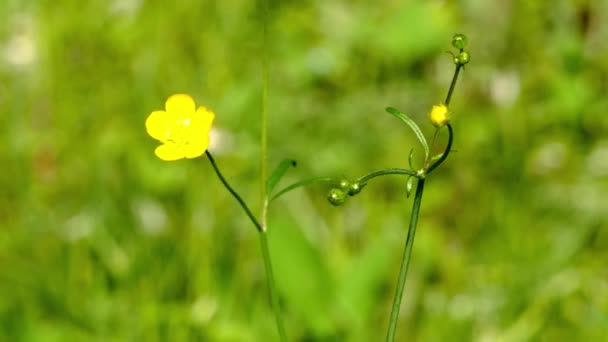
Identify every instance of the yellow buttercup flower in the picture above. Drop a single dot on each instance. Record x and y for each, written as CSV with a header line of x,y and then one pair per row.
x,y
181,127
439,115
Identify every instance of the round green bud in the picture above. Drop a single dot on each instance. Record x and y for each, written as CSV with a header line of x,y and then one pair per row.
x,y
459,41
354,189
344,184
463,58
336,196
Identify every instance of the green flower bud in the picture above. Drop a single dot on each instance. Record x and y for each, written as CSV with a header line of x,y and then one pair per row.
x,y
354,189
463,58
344,184
336,196
459,41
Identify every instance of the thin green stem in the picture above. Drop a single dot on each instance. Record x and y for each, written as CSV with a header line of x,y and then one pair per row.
x,y
407,254
274,300
272,291
393,171
448,98
233,192
264,115
409,242
446,152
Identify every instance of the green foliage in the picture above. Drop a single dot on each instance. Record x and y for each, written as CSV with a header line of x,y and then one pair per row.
x,y
414,126
277,174
99,240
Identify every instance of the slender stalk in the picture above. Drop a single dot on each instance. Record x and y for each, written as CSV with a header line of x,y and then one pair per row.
x,y
264,116
274,298
234,193
448,98
407,254
394,171
272,290
446,152
409,242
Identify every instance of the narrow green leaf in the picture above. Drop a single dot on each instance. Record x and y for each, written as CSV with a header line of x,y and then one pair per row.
x,y
277,174
302,183
410,158
403,117
436,157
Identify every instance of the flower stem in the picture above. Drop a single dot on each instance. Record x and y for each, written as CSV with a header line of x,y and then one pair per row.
x,y
274,299
407,253
409,242
272,291
264,115
234,193
384,172
448,98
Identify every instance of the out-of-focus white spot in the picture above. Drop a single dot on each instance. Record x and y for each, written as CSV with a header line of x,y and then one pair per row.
x,y
505,88
20,48
549,157
79,226
461,307
220,141
125,7
321,61
597,160
203,310
151,216
435,302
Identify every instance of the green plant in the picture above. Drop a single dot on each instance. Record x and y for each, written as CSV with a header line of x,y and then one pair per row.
x,y
439,117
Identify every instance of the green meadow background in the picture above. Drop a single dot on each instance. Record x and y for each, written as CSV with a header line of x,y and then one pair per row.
x,y
102,241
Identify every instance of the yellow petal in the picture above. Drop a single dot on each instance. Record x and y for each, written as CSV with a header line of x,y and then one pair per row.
x,y
180,105
204,117
439,115
169,152
159,125
198,146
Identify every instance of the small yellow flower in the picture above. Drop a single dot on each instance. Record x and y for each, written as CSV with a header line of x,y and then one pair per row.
x,y
183,129
439,115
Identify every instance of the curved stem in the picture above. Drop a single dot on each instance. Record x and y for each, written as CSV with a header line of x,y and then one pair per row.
x,y
409,243
447,150
234,193
448,98
405,261
392,171
274,299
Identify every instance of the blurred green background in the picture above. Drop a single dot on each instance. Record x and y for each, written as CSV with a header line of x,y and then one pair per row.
x,y
102,241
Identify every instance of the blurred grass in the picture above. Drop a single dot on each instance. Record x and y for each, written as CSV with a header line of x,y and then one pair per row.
x,y
100,240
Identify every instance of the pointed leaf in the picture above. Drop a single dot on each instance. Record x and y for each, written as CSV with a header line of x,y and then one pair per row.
x,y
403,117
302,183
436,157
410,159
277,174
